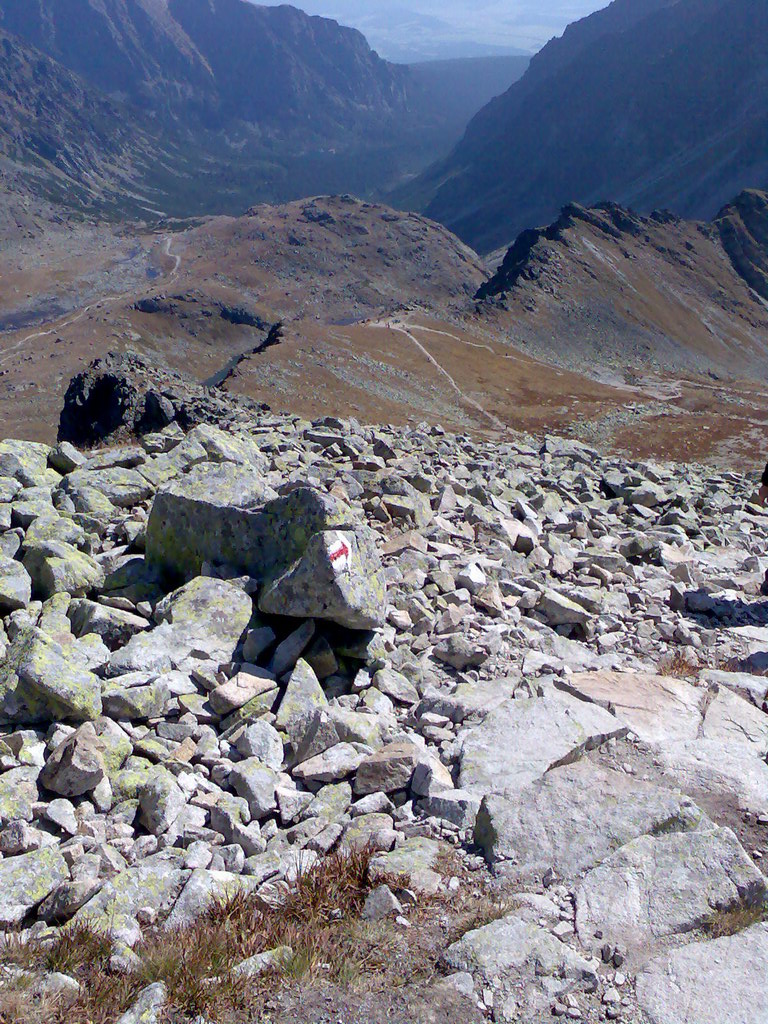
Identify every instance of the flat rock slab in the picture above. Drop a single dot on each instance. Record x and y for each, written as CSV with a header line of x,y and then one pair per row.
x,y
751,687
521,740
715,982
711,741
659,709
712,768
573,818
659,886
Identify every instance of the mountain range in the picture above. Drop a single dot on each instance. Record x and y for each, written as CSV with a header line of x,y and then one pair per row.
x,y
649,103
215,104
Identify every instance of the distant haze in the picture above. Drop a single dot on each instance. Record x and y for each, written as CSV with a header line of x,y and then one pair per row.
x,y
412,30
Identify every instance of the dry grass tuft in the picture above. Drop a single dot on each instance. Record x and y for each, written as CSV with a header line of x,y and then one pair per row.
x,y
678,666
730,922
319,918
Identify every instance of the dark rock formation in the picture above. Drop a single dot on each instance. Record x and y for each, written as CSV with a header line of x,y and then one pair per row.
x,y
123,394
743,228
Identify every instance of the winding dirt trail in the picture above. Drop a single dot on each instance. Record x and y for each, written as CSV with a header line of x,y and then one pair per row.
x,y
406,329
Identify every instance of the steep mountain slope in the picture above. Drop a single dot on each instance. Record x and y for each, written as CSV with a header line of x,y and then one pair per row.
x,y
451,92
231,102
221,60
60,137
649,103
609,292
743,227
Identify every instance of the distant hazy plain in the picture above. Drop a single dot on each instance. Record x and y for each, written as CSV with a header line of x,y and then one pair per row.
x,y
427,29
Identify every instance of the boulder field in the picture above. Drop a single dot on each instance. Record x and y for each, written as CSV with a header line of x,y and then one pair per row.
x,y
225,654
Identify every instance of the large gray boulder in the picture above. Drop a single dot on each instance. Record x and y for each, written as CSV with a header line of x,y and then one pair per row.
x,y
25,881
161,801
26,462
339,577
659,886
42,682
228,514
56,567
15,585
156,882
18,794
206,616
76,766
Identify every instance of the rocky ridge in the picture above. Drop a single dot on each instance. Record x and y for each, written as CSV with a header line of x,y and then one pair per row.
x,y
226,654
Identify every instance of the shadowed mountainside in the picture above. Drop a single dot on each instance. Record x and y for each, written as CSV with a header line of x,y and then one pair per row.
x,y
217,104
648,103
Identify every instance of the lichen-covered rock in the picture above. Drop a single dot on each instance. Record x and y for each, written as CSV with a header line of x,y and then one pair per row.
x,y
114,625
56,567
135,703
26,462
15,585
42,682
121,486
50,528
25,882
302,696
156,882
161,801
148,1006
202,890
227,514
339,577
207,616
213,611
18,794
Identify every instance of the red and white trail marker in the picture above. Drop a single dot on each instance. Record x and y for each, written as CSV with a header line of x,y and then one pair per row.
x,y
339,553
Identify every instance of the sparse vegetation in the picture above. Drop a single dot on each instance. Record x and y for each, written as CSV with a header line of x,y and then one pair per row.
x,y
679,666
319,918
730,922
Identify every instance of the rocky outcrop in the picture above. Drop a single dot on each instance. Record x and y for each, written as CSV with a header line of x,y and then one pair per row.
x,y
122,395
743,229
